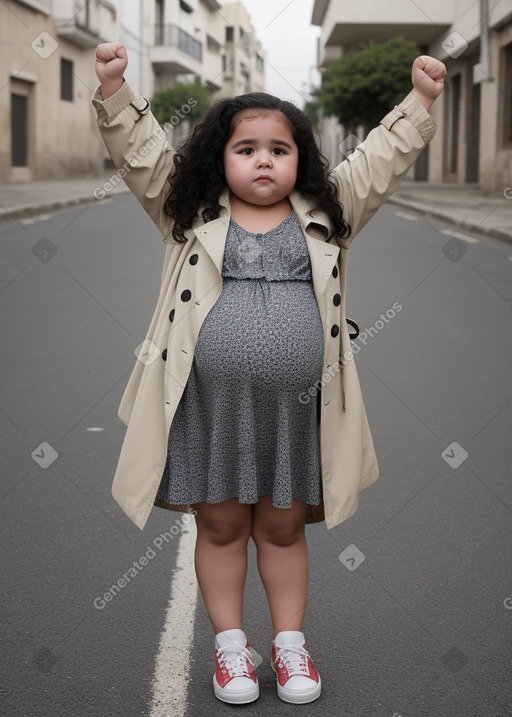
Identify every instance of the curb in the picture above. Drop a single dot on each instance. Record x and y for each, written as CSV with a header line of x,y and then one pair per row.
x,y
451,219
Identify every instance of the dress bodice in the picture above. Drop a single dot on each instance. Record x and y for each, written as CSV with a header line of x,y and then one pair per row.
x,y
278,255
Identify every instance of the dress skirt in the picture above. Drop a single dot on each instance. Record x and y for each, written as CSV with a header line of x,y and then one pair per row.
x,y
242,428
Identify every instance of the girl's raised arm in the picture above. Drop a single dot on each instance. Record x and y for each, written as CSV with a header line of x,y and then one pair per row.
x,y
134,139
379,164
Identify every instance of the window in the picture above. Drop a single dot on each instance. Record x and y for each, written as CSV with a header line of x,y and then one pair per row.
x,y
66,79
229,34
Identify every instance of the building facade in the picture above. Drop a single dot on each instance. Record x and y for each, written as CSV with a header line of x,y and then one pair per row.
x,y
47,61
202,38
244,58
47,55
474,113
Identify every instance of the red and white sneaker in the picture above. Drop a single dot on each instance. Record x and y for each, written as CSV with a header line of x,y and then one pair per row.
x,y
234,680
297,678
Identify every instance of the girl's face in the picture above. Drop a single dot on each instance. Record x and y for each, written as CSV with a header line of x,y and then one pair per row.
x,y
261,157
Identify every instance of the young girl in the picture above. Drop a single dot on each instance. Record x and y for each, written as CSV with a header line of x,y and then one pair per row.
x,y
244,406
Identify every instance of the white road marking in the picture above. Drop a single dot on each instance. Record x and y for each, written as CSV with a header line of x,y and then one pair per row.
x,y
458,235
44,217
94,428
172,663
404,215
37,218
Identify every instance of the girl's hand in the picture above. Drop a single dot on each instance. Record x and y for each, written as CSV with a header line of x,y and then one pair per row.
x,y
428,79
111,62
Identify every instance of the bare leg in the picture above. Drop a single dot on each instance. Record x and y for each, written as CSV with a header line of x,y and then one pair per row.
x,y
223,531
280,538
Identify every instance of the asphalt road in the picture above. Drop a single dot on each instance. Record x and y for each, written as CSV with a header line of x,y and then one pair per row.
x,y
414,619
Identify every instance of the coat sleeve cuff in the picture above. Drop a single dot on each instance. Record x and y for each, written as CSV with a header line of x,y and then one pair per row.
x,y
124,98
413,111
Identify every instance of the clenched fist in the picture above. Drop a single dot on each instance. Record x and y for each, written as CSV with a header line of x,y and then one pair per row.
x,y
428,79
111,62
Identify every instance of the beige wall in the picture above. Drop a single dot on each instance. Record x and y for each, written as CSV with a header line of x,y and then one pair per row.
x,y
63,138
496,157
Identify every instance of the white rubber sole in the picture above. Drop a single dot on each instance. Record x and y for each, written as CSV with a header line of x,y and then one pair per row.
x,y
299,698
240,697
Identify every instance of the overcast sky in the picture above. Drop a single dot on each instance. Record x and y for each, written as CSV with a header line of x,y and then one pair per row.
x,y
284,27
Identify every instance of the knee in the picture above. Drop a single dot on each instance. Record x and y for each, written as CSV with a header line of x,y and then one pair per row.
x,y
281,535
222,533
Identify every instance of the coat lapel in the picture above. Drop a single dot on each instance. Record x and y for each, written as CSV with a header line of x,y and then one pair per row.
x,y
316,227
212,235
213,238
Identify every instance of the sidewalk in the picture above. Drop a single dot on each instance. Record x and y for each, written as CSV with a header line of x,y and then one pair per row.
x,y
466,206
25,199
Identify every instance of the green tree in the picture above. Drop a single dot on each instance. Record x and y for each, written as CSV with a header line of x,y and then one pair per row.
x,y
312,109
361,87
181,102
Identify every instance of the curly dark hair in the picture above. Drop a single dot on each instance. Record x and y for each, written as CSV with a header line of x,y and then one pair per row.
x,y
196,179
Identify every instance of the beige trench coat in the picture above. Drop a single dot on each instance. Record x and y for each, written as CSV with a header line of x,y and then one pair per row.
x,y
191,283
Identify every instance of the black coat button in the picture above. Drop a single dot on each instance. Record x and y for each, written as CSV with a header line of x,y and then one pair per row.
x,y
335,271
335,330
336,299
193,259
186,295
164,354
171,315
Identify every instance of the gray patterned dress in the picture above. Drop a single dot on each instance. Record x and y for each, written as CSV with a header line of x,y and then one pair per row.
x,y
240,430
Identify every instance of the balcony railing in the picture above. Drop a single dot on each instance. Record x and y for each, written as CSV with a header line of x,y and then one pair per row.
x,y
175,36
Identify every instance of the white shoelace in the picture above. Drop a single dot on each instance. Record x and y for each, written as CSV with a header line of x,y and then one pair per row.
x,y
235,658
294,658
